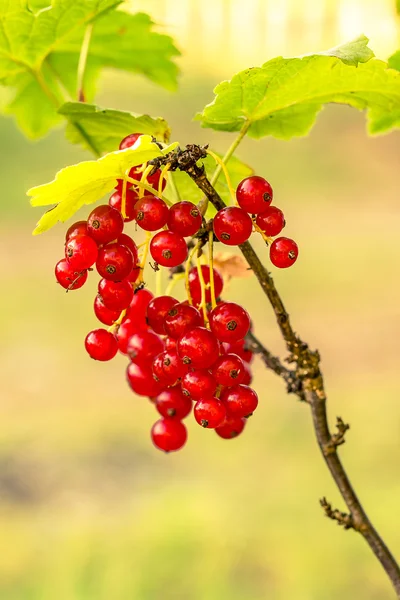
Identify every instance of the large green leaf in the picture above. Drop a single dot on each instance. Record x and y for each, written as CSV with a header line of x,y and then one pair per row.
x,y
283,97
40,48
105,128
88,181
394,60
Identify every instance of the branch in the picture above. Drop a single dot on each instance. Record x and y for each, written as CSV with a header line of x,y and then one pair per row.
x,y
307,371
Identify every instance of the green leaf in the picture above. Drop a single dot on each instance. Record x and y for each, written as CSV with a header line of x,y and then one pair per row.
x,y
394,60
88,181
40,48
351,53
283,97
106,127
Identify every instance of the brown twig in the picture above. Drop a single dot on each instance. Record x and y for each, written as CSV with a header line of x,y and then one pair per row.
x,y
307,372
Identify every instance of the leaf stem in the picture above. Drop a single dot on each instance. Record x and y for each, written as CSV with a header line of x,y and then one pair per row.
x,y
221,164
229,152
83,62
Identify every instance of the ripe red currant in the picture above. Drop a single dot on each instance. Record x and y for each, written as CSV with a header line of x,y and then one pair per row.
x,y
254,194
232,226
116,295
228,370
157,310
180,319
141,380
126,330
104,224
229,322
199,348
116,202
199,384
283,252
168,367
151,213
144,346
240,400
248,375
114,262
81,252
169,434
271,221
168,249
209,412
129,140
78,228
104,314
172,403
231,428
152,180
68,277
195,286
101,345
140,301
241,349
184,218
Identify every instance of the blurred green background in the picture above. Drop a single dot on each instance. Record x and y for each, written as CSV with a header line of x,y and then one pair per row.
x,y
89,510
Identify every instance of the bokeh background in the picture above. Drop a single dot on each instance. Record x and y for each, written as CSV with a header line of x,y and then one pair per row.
x,y
88,509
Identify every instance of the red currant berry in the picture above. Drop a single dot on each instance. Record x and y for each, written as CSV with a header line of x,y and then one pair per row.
x,y
144,346
68,277
172,403
157,310
199,384
104,314
78,228
152,180
254,194
195,286
116,202
168,249
140,301
151,213
240,348
141,380
229,322
271,221
229,370
101,345
168,434
127,241
169,367
170,343
180,319
240,400
184,218
81,252
283,252
115,262
248,375
129,140
105,224
126,330
116,295
199,348
231,428
209,413
232,226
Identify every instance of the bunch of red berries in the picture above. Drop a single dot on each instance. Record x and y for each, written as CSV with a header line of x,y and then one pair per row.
x,y
183,355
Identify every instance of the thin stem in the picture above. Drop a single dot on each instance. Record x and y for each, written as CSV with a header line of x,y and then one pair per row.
x,y
173,281
230,152
143,180
115,326
221,164
80,80
164,175
144,186
211,263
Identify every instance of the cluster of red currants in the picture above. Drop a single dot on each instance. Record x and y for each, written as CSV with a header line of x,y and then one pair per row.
x,y
181,353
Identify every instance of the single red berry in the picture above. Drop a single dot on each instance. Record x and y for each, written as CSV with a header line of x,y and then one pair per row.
x,y
151,213
229,322
254,194
180,319
114,262
129,140
170,343
152,180
240,400
104,314
209,412
127,241
101,344
240,348
168,249
283,252
271,221
195,286
68,277
144,346
172,403
168,367
229,370
184,218
126,330
81,252
131,198
115,295
141,380
138,307
168,434
105,224
199,384
157,310
232,226
248,375
231,428
199,348
78,228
